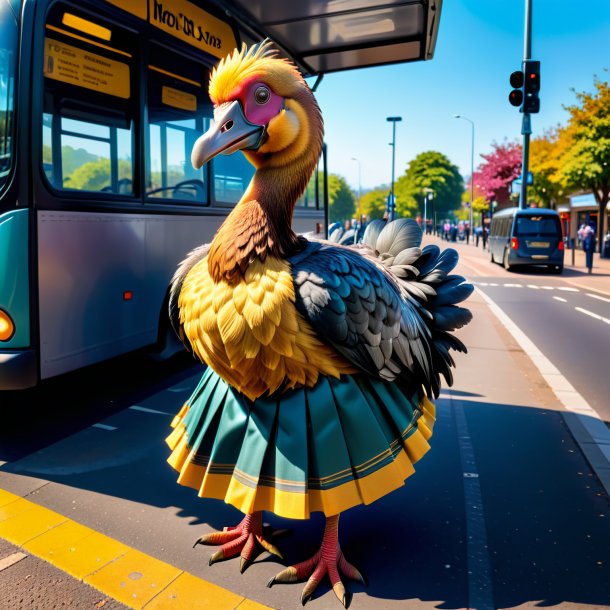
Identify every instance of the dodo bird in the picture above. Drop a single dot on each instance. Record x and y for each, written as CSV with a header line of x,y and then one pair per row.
x,y
321,359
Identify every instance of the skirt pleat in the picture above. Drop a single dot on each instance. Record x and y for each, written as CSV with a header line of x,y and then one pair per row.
x,y
341,443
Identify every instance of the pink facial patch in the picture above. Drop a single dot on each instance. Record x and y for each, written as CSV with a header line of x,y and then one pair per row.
x,y
260,104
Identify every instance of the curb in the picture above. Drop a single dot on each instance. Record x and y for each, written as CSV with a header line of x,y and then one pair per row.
x,y
117,570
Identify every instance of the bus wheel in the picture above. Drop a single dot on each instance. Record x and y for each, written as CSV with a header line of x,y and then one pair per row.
x,y
505,261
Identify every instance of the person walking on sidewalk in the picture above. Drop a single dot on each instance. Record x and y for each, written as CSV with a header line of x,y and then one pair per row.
x,y
587,236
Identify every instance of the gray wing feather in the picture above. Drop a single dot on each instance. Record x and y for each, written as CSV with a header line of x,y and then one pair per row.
x,y
367,323
399,302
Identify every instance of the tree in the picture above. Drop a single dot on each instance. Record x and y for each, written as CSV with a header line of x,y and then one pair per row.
x,y
429,170
95,175
586,161
373,203
341,200
495,175
544,163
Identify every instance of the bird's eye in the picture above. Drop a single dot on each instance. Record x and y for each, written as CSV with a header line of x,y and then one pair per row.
x,y
262,95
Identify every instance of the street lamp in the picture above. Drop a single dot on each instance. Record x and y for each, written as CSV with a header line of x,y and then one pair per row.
x,y
458,116
428,196
392,206
359,181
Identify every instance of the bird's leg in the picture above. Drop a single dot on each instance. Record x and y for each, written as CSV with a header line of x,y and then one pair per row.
x,y
245,539
328,560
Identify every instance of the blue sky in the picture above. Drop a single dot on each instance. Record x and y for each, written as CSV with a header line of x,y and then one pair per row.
x,y
480,43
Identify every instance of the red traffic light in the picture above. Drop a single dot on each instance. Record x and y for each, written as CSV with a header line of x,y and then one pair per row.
x,y
515,97
531,69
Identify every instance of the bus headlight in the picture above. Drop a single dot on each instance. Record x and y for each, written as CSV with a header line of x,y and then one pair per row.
x,y
7,327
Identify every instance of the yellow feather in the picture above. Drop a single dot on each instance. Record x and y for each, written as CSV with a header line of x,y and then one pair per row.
x,y
270,358
250,346
253,314
256,292
250,332
231,325
265,331
283,342
240,295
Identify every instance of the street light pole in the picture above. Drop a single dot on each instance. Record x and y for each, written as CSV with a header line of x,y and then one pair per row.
x,y
459,116
359,181
392,206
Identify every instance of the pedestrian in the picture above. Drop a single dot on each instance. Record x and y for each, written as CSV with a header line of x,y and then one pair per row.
x,y
467,233
588,244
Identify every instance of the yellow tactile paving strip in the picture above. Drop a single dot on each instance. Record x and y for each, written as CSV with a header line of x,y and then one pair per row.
x,y
119,571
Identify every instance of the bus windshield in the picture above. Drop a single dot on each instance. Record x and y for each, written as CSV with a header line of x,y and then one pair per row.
x,y
8,61
537,226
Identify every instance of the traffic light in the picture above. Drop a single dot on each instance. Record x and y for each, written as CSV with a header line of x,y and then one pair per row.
x,y
515,97
531,86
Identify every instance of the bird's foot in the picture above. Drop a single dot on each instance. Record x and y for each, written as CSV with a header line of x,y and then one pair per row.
x,y
328,560
245,539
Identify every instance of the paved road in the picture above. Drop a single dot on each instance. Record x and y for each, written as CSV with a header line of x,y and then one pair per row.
x,y
503,512
567,317
570,325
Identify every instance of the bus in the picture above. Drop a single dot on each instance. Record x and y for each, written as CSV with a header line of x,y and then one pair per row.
x,y
532,236
100,104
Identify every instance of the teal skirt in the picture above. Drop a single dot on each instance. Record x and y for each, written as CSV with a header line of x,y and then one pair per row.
x,y
341,443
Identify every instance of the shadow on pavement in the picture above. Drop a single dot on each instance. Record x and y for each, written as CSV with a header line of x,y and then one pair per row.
x,y
547,520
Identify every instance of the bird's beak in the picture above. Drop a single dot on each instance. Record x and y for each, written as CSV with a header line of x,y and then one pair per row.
x,y
230,132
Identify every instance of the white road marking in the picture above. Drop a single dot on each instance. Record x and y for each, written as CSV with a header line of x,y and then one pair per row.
x,y
10,560
596,296
533,286
513,285
147,410
547,287
480,594
560,299
592,315
104,427
567,289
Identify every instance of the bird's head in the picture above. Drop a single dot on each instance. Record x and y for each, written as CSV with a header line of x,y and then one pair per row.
x,y
263,107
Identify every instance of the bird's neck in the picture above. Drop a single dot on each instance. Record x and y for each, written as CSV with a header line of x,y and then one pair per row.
x,y
261,223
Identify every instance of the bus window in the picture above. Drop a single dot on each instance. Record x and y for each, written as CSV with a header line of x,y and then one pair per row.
x,y
179,112
8,50
232,174
88,126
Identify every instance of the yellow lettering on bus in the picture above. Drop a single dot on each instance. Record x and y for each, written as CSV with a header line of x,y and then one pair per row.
x,y
192,25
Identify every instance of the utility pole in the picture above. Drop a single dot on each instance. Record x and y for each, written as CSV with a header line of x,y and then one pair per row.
x,y
392,202
526,125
